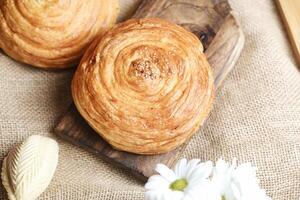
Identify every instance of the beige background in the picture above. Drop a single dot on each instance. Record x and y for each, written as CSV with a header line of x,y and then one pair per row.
x,y
256,116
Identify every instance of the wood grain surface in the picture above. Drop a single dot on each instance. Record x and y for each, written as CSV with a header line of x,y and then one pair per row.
x,y
290,13
216,26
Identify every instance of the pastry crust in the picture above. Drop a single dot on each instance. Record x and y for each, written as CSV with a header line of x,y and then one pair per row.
x,y
145,86
52,33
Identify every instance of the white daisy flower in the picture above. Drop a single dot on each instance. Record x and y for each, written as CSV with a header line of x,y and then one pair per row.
x,y
237,182
188,181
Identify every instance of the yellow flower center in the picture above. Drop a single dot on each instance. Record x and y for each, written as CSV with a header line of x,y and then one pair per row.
x,y
223,197
179,185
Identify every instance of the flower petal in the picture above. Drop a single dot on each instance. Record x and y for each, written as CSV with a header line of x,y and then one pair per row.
x,y
221,166
235,191
191,166
166,173
151,195
180,168
156,182
176,195
155,195
200,173
237,181
203,191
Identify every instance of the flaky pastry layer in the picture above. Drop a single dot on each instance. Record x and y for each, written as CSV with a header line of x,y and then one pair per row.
x,y
145,86
52,33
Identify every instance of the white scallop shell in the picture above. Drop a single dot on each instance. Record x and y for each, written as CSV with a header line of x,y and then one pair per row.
x,y
28,169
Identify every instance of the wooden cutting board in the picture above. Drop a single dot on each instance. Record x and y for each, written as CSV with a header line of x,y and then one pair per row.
x,y
216,25
290,13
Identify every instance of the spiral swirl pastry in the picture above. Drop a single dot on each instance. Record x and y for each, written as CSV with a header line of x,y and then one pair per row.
x,y
52,33
145,86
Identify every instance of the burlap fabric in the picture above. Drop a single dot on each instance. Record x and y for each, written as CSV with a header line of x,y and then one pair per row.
x,y
256,116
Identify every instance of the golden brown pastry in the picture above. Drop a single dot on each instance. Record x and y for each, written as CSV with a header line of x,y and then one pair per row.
x,y
145,86
52,33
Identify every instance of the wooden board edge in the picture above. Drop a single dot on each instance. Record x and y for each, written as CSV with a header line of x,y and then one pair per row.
x,y
236,51
288,27
140,176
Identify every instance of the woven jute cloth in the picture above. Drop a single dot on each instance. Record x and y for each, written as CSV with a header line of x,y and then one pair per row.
x,y
256,116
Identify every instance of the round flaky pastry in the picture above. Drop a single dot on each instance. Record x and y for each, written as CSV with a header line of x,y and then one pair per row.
x,y
52,33
145,86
